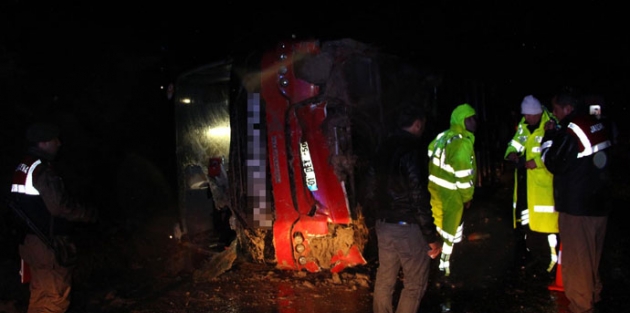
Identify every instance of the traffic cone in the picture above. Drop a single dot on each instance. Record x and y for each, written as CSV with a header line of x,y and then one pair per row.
x,y
557,284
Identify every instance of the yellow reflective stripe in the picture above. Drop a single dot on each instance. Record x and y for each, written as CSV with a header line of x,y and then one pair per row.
x,y
525,217
553,242
544,208
536,149
545,147
442,183
448,249
459,234
449,185
463,173
449,169
440,163
457,136
438,153
444,263
450,237
517,145
464,185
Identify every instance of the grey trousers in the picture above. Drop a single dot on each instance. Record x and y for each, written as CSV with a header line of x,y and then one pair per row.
x,y
400,246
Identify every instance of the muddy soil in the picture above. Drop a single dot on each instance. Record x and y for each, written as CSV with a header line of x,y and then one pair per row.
x,y
146,272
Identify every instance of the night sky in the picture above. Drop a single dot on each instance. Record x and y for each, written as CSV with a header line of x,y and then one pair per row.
x,y
99,66
529,47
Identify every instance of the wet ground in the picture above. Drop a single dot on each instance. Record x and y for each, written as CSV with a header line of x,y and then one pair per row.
x,y
147,273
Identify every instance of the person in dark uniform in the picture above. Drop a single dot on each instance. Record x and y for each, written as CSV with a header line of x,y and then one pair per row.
x,y
39,192
578,155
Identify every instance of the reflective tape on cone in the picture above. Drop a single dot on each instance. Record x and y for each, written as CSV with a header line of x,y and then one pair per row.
x,y
557,285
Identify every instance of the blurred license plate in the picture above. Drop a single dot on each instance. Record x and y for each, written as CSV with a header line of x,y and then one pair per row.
x,y
307,165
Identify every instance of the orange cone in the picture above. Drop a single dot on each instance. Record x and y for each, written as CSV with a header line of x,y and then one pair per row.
x,y
557,284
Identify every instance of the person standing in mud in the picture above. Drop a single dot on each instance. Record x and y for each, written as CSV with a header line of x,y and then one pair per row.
x,y
406,233
578,156
452,176
39,192
535,219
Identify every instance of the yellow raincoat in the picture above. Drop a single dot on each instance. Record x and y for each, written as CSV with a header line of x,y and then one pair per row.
x,y
452,176
540,215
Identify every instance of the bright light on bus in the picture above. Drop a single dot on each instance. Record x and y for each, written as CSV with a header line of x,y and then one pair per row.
x,y
219,132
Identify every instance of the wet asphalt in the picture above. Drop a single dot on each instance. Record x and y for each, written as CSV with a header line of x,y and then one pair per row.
x,y
489,275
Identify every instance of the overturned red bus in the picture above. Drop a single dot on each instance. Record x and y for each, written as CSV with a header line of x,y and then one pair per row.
x,y
281,139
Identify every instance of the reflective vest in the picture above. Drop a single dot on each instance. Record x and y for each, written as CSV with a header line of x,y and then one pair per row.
x,y
590,136
29,197
23,177
30,201
540,214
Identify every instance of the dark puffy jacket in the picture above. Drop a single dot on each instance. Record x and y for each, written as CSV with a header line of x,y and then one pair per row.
x,y
397,186
581,167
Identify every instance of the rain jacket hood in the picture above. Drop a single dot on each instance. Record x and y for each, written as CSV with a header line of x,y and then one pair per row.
x,y
460,113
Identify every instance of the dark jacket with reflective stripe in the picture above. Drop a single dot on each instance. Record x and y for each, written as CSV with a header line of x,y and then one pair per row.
x,y
40,193
579,160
